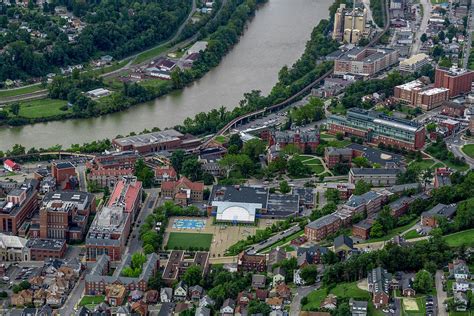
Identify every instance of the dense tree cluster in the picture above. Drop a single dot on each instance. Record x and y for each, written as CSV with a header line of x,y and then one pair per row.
x,y
118,28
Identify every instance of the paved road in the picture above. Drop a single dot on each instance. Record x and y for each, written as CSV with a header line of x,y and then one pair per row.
x,y
470,29
274,239
41,94
424,24
455,144
369,13
301,292
73,298
440,293
134,243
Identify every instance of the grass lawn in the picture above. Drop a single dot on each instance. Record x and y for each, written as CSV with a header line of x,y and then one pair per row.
x,y
459,238
221,139
42,108
343,290
339,109
91,300
393,232
468,150
188,240
421,165
411,234
107,69
154,83
465,167
149,54
339,143
327,136
13,92
283,241
466,313
317,169
438,1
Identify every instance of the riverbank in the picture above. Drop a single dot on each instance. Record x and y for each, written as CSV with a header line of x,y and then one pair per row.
x,y
253,64
226,31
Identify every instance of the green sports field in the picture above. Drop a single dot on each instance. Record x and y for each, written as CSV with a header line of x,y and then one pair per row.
x,y
189,240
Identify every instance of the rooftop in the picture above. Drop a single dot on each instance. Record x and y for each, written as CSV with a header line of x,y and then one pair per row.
x,y
374,171
46,244
150,138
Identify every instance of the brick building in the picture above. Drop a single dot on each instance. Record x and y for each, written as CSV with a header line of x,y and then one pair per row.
x,y
41,249
107,170
378,281
127,194
376,177
108,177
307,139
183,191
97,281
64,215
251,263
178,263
322,227
334,156
365,61
20,204
157,141
417,94
457,80
345,189
453,109
165,173
430,218
362,229
377,128
63,171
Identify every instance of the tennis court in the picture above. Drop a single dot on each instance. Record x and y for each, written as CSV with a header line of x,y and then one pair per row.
x,y
189,223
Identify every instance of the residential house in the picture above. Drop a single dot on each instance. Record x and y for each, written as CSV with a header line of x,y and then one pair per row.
x,y
258,281
196,292
248,263
152,297
275,303
115,294
275,256
279,274
228,307
180,291
22,298
379,285
461,301
430,218
310,254
343,246
407,287
330,302
166,295
206,301
358,308
202,311
459,269
461,285
283,291
183,191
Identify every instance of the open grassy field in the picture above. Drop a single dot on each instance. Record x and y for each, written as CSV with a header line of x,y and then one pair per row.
x,y
465,167
313,162
42,108
392,233
339,143
343,290
91,300
466,313
469,150
411,234
221,139
14,92
421,165
149,54
459,238
189,240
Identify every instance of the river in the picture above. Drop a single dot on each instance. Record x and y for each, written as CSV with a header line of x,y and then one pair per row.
x,y
274,38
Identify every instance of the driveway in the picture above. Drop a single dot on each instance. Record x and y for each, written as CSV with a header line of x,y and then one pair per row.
x,y
440,293
301,292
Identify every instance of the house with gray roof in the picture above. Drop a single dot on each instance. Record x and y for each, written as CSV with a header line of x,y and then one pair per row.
x,y
358,308
378,281
376,177
430,218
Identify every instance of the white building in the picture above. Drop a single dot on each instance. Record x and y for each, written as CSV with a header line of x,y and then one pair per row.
x,y
98,93
414,63
13,248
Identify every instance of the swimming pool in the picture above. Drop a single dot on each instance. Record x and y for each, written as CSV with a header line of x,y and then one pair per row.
x,y
189,223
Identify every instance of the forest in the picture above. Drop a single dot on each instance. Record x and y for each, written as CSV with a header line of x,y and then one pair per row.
x,y
118,28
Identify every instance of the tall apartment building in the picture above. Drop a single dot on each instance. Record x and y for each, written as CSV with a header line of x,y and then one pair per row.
x,y
417,94
20,204
457,80
127,194
64,215
414,63
349,26
111,226
377,128
365,61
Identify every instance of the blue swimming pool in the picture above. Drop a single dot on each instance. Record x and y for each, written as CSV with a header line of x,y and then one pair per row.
x,y
189,223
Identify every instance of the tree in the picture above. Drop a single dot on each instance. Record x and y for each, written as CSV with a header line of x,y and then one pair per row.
x,y
297,169
339,136
240,163
291,149
193,275
144,173
309,274
284,187
257,307
192,169
235,140
423,282
431,127
377,230
177,159
332,195
424,37
362,187
361,162
15,108
254,148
